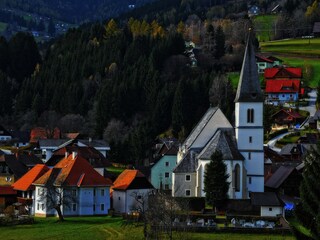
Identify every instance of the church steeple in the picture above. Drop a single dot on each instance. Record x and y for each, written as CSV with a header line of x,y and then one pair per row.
x,y
249,86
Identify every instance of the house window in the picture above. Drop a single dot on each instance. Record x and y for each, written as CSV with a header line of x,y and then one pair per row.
x,y
94,192
167,164
250,139
102,192
102,207
119,198
188,192
250,180
166,187
42,206
40,191
74,192
188,178
74,207
94,207
139,197
250,115
38,206
166,175
249,155
270,209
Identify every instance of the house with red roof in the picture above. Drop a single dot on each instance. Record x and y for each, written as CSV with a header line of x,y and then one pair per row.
x,y
287,118
283,85
25,188
80,188
130,186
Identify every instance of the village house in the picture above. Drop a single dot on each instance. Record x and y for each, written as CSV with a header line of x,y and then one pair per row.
x,y
26,191
286,118
283,85
87,192
128,188
241,146
161,171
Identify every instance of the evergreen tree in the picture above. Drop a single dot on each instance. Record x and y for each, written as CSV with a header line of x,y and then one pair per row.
x,y
216,185
309,212
219,43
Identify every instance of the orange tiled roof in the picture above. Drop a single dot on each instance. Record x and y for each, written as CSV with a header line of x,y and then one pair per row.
x,y
42,133
73,172
25,182
125,179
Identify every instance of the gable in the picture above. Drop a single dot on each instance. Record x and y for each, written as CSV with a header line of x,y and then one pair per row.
x,y
206,128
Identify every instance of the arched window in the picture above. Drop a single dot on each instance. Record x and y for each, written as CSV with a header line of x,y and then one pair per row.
x,y
237,178
250,115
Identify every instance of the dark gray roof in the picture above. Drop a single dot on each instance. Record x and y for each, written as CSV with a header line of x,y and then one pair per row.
x,y
15,166
302,148
200,126
94,143
279,177
52,142
265,199
188,164
223,141
249,89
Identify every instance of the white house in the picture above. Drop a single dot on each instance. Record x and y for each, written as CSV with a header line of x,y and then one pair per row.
x,y
241,145
269,204
130,186
84,190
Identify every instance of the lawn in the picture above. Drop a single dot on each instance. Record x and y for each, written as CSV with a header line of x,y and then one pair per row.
x,y
115,170
234,79
104,228
299,46
264,27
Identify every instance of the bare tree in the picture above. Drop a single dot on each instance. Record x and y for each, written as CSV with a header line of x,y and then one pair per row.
x,y
71,123
56,195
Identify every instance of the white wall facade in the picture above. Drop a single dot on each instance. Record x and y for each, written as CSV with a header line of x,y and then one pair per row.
x,y
249,137
271,211
230,164
86,202
125,201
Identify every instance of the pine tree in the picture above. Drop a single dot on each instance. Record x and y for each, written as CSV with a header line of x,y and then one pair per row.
x,y
216,185
309,211
219,43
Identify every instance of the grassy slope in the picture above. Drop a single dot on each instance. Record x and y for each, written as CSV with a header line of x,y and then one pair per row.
x,y
264,27
297,53
103,228
298,46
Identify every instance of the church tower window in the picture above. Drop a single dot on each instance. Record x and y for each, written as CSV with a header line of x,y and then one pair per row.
x,y
250,115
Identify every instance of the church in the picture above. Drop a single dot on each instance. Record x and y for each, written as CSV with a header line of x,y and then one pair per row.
x,y
241,145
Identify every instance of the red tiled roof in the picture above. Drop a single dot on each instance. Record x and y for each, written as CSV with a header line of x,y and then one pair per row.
x,y
263,59
126,178
7,190
25,182
73,172
290,112
42,133
282,86
281,72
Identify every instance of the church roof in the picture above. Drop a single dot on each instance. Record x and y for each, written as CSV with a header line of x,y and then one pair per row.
x,y
249,86
224,142
188,164
200,126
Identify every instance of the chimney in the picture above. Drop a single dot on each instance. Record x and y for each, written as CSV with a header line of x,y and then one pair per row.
x,y
74,154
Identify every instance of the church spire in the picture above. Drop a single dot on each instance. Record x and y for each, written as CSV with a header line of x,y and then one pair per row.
x,y
249,86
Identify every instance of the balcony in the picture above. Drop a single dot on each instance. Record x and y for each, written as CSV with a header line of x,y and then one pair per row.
x,y
25,201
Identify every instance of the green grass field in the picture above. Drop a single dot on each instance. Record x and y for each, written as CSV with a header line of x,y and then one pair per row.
x,y
299,46
97,228
264,27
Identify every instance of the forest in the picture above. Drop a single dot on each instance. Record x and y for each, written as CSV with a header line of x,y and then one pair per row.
x,y
130,80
